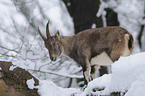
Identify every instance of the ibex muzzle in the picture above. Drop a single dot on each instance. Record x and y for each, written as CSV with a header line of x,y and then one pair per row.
x,y
91,48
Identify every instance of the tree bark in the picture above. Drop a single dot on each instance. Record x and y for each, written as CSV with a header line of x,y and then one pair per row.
x,y
83,13
111,17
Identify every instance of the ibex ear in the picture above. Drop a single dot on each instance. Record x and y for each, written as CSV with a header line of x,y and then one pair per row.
x,y
57,34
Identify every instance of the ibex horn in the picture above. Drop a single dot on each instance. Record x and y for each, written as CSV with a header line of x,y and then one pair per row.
x,y
43,37
47,30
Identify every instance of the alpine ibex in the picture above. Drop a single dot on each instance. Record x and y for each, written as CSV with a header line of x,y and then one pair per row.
x,y
90,48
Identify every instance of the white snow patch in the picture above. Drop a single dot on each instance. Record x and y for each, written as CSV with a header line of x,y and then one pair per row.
x,y
93,25
101,82
48,88
31,83
126,71
12,68
137,88
58,14
103,5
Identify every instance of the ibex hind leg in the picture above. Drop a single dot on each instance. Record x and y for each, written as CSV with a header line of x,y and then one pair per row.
x,y
86,70
86,73
94,70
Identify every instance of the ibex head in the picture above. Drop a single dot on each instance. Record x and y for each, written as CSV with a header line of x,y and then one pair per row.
x,y
52,43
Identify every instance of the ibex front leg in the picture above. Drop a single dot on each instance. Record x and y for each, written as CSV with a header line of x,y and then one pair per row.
x,y
86,70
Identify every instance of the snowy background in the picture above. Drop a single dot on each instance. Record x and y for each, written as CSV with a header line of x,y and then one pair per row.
x,y
21,44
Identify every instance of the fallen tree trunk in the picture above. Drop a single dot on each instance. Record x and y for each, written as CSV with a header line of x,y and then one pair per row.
x,y
14,83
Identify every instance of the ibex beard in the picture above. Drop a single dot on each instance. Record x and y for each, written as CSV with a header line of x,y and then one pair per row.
x,y
90,48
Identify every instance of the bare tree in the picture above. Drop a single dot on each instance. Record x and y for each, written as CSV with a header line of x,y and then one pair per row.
x,y
29,52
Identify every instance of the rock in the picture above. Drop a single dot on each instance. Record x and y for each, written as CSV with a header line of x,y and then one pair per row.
x,y
13,83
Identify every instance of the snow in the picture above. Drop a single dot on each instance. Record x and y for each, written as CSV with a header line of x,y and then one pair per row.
x,y
102,12
130,69
6,22
93,25
12,67
31,83
57,12
137,88
48,88
30,52
100,82
102,6
128,75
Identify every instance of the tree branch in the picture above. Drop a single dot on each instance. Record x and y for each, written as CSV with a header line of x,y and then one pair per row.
x,y
58,74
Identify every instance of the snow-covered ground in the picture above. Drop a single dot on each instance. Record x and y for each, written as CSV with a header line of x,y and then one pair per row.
x,y
128,76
